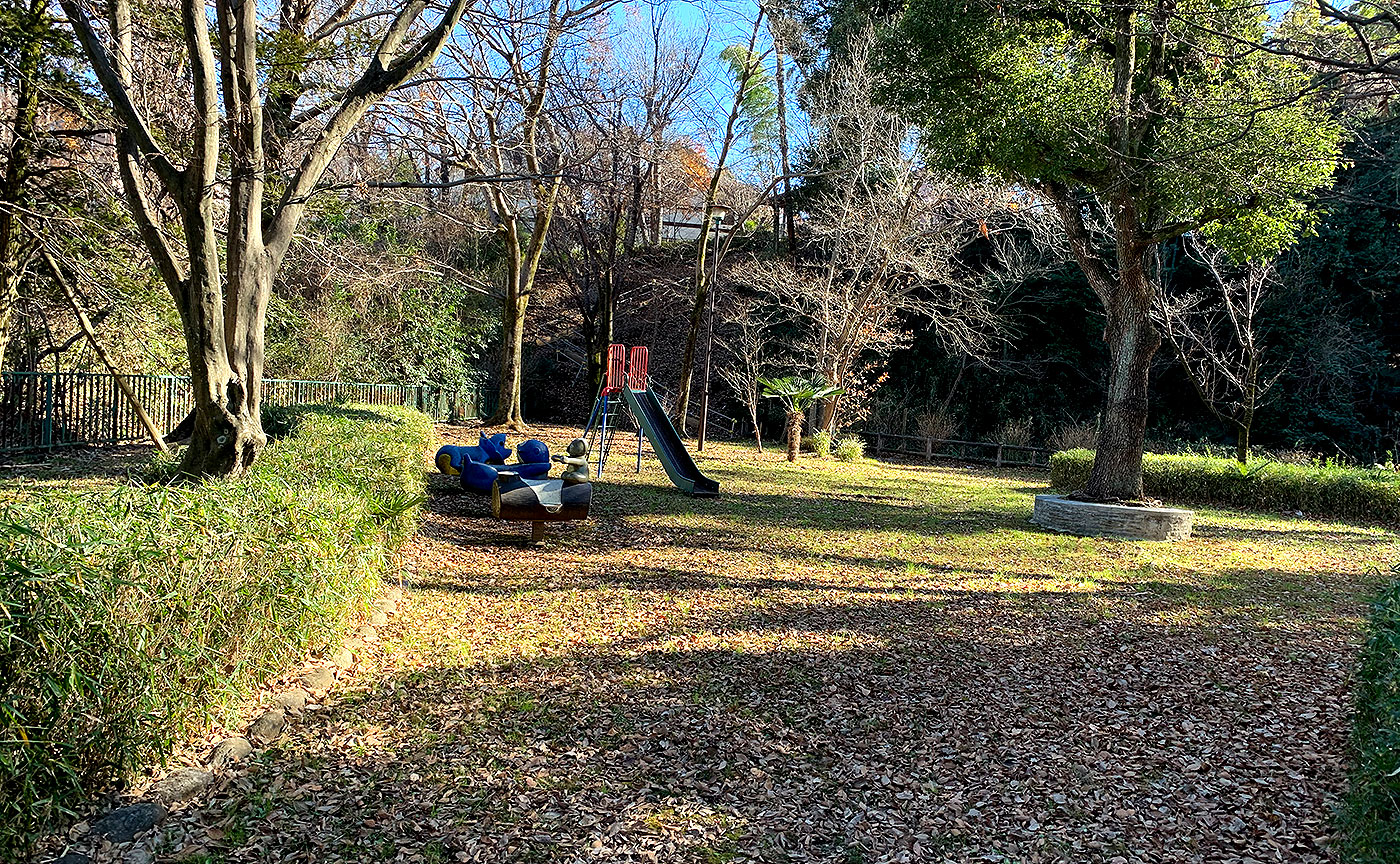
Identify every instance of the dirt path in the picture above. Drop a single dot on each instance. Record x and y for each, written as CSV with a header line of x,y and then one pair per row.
x,y
828,664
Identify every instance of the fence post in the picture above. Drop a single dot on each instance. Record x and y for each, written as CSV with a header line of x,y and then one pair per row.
x,y
999,446
879,443
116,408
46,426
928,449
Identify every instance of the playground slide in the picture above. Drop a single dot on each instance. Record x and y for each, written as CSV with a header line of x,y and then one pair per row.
x,y
667,444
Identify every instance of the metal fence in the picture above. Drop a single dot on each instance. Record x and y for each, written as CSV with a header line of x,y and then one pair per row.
x,y
985,452
46,410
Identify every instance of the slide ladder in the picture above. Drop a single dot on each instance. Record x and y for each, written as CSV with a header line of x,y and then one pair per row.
x,y
602,421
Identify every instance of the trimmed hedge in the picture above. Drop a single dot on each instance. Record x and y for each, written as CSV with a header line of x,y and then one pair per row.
x,y
133,614
1369,820
1347,493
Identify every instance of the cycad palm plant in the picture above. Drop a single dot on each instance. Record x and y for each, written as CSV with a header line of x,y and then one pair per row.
x,y
796,395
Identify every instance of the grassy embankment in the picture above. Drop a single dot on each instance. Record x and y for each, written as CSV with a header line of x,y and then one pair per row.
x,y
132,612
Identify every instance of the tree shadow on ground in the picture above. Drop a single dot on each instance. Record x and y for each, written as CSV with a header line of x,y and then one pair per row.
x,y
1347,532
837,730
116,463
1313,600
775,510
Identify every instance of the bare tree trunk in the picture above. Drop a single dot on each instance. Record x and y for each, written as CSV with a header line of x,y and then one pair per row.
x,y
524,264
599,332
227,434
508,406
783,153
634,208
17,163
702,275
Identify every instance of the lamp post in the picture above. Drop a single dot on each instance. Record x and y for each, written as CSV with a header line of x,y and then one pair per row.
x,y
717,214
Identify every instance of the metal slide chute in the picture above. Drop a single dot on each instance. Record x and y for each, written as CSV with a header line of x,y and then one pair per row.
x,y
667,444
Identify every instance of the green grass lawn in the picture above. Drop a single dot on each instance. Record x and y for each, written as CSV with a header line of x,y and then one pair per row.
x,y
831,662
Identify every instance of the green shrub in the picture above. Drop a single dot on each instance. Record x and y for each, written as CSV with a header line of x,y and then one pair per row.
x,y
131,615
1369,820
818,444
1323,490
850,449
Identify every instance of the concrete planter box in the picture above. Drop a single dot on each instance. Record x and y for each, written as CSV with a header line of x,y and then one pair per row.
x,y
1088,519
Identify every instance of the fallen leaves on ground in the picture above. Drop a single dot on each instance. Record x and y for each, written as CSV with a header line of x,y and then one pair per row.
x,y
829,663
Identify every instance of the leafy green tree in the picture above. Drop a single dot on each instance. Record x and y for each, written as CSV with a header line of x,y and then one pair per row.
x,y
1138,123
796,395
757,99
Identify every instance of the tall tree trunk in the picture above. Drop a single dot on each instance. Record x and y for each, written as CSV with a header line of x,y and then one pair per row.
x,y
634,208
785,165
1242,437
794,434
17,163
601,333
702,276
1132,339
697,316
227,434
1132,343
522,265
508,405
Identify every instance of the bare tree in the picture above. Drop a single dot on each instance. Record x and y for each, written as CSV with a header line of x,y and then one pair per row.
x,y
1219,339
748,355
222,299
749,74
785,32
505,129
620,107
887,236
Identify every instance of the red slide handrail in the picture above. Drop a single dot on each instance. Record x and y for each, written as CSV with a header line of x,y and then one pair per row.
x,y
637,361
617,368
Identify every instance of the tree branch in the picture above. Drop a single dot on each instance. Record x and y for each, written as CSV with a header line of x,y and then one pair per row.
x,y
383,75
116,83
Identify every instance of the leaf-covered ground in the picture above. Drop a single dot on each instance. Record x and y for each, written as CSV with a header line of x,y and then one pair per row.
x,y
834,663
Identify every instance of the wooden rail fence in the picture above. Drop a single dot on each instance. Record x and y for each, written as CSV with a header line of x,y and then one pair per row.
x,y
995,453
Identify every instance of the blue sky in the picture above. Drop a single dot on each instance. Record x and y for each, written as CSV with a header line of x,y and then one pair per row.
x,y
726,22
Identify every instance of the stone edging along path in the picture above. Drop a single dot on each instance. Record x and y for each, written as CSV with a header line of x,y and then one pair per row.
x,y
127,833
